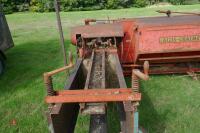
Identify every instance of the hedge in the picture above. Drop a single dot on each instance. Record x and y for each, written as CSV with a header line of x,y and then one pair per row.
x,y
10,6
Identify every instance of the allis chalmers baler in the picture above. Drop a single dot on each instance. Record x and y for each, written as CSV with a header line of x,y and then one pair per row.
x,y
108,50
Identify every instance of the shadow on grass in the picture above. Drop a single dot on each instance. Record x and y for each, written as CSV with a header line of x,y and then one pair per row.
x,y
113,118
27,62
149,118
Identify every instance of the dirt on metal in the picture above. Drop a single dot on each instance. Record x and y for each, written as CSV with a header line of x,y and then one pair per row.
x,y
96,75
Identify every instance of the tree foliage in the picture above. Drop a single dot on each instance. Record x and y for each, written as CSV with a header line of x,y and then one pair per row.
x,y
10,6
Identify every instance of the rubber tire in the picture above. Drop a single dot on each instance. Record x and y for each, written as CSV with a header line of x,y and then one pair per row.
x,y
2,65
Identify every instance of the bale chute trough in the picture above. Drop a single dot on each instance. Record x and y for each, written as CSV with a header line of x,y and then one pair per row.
x,y
108,50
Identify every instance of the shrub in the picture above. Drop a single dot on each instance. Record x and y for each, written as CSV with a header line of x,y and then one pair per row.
x,y
68,5
41,5
7,6
7,9
189,2
112,4
23,7
140,3
10,6
177,2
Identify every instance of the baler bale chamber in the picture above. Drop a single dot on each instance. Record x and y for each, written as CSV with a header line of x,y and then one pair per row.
x,y
169,44
108,50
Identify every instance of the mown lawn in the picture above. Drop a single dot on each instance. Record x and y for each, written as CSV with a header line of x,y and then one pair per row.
x,y
170,104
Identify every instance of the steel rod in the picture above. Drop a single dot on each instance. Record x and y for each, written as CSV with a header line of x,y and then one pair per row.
x,y
62,42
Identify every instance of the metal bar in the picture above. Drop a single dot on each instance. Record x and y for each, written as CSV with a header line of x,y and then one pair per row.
x,y
136,122
89,72
82,105
95,91
130,122
119,72
48,78
103,82
62,42
139,74
59,70
170,58
124,108
168,12
93,98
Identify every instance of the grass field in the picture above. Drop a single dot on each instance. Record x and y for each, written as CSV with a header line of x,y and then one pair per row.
x,y
170,104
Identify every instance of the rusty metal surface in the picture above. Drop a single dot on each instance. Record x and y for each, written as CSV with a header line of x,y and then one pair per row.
x,y
99,91
174,36
169,12
94,108
98,30
158,35
95,78
97,111
48,80
160,40
65,120
94,95
154,44
6,41
172,68
105,67
125,109
98,124
89,71
120,105
166,21
62,117
174,59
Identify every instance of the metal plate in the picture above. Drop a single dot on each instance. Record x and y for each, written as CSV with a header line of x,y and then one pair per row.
x,y
173,20
99,30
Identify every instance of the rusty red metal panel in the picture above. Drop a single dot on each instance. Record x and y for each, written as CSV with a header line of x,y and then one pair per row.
x,y
62,117
94,95
167,21
127,48
94,91
151,35
169,39
97,30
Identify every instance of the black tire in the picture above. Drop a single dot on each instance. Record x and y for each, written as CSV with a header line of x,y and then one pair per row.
x,y
2,65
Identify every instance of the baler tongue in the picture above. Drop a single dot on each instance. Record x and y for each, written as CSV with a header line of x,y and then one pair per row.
x,y
94,82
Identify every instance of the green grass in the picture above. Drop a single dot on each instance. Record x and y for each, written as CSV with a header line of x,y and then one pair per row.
x,y
170,104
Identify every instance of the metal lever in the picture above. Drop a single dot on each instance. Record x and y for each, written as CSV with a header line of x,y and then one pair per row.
x,y
48,76
169,12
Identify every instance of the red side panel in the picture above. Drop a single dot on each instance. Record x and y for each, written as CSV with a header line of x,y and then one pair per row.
x,y
169,39
127,48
